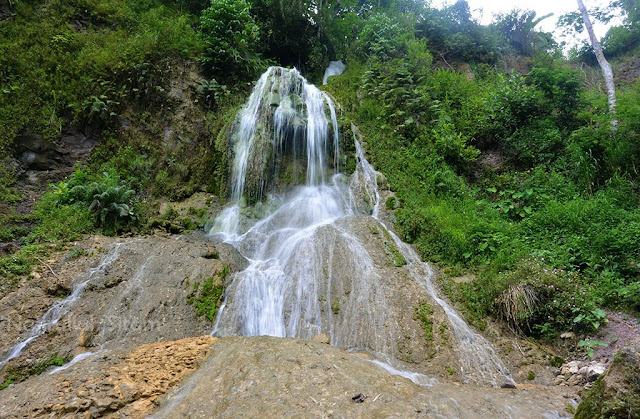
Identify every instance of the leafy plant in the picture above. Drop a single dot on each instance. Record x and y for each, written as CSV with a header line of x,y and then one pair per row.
x,y
231,37
589,346
424,314
208,298
112,202
593,318
212,93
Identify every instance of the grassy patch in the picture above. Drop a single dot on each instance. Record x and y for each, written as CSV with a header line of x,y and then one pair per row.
x,y
16,375
208,297
424,314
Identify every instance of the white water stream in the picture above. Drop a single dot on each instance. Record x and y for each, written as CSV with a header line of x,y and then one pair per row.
x,y
303,252
335,68
62,307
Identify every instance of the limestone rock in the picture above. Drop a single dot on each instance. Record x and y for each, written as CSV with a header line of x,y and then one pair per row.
x,y
321,338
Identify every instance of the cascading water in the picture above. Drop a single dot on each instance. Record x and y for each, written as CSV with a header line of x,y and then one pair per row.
x,y
335,68
60,308
478,360
308,272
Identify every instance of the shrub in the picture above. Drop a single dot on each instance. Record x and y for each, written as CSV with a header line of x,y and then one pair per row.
x,y
380,38
231,37
85,202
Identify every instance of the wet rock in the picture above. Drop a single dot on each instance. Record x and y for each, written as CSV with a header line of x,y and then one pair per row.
x,y
59,287
231,256
508,385
142,296
322,380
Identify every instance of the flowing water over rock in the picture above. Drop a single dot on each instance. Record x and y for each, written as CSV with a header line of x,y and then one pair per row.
x,y
59,309
335,69
311,269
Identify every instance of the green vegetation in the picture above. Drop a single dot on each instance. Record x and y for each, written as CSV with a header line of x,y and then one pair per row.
x,y
335,307
231,37
615,394
207,299
391,249
16,375
424,314
515,176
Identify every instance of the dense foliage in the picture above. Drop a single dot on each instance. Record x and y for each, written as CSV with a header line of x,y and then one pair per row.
x,y
515,176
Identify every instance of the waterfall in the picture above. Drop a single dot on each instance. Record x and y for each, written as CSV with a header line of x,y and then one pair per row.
x,y
309,272
335,68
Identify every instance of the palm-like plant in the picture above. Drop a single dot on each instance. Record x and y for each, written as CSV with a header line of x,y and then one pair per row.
x,y
112,202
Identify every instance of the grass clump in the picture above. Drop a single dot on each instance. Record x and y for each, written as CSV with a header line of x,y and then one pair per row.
x,y
424,314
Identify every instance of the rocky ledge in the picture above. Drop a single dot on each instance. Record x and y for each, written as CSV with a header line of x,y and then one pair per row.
x,y
259,377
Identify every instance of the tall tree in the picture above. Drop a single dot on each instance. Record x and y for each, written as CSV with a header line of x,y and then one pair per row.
x,y
604,64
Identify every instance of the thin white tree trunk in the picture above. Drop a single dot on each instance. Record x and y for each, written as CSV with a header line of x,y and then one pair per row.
x,y
604,64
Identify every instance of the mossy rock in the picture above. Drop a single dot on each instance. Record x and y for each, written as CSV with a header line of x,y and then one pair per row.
x,y
616,393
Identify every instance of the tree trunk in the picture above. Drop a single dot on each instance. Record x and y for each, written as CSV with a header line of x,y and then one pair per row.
x,y
604,64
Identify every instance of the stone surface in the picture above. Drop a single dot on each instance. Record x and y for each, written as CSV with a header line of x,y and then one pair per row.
x,y
119,383
321,338
141,297
271,377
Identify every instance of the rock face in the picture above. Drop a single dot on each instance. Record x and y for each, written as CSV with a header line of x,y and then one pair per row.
x,y
617,392
257,377
113,383
135,291
377,308
33,152
272,377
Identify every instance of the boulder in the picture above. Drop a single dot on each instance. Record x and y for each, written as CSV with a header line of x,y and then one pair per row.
x,y
322,338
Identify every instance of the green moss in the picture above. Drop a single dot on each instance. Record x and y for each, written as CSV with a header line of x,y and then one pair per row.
x,y
443,331
16,375
424,314
391,203
531,376
10,380
335,307
390,248
207,299
616,393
